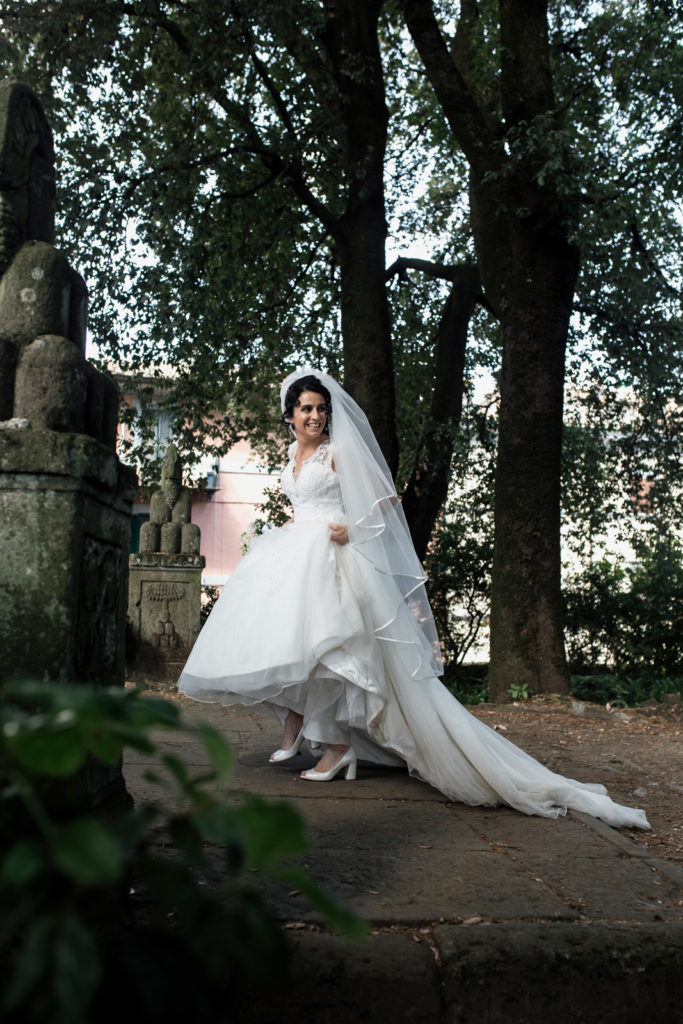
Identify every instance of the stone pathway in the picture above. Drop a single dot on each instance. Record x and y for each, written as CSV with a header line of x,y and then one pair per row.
x,y
481,915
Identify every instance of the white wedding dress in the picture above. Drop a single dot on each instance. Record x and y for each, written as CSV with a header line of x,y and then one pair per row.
x,y
293,629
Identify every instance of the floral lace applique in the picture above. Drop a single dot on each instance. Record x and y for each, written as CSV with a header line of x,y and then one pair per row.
x,y
321,455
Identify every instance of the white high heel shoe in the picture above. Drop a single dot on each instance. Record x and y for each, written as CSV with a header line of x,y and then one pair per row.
x,y
347,760
290,752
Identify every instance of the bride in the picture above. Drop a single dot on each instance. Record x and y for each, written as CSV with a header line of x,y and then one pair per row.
x,y
327,621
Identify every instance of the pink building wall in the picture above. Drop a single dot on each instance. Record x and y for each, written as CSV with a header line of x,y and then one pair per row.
x,y
224,514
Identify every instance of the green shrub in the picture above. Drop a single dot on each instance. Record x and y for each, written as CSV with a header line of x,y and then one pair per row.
x,y
210,595
96,922
624,691
458,566
628,619
469,683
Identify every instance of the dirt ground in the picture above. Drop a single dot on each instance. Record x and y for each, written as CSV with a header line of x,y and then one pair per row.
x,y
637,753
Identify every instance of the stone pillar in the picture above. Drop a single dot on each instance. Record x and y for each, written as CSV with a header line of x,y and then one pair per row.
x,y
65,499
65,505
44,376
164,596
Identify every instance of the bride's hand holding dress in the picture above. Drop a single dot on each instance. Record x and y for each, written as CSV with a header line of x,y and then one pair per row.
x,y
339,533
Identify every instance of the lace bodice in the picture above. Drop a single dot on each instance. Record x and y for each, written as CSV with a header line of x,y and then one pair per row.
x,y
314,492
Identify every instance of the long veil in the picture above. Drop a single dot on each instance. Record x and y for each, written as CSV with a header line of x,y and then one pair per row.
x,y
378,531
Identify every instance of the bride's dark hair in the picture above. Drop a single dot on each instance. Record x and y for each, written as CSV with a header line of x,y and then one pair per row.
x,y
309,383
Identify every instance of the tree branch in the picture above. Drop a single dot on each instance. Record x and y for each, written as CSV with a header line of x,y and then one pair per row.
x,y
639,246
626,326
246,193
267,307
461,272
273,91
403,263
461,52
170,27
427,487
276,163
471,124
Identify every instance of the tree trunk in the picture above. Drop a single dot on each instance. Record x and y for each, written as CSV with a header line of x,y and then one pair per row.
x,y
368,357
529,271
427,487
527,646
351,37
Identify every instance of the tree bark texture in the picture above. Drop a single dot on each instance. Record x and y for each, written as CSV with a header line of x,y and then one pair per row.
x,y
527,646
529,272
351,38
427,487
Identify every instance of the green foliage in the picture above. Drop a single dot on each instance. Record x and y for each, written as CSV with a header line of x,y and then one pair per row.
x,y
199,257
624,691
470,687
629,617
518,691
592,614
210,595
458,561
96,916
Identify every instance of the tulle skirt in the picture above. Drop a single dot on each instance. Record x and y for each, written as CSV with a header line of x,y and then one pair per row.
x,y
293,628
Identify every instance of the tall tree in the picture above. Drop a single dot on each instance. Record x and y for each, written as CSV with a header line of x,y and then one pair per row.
x,y
495,80
529,269
344,66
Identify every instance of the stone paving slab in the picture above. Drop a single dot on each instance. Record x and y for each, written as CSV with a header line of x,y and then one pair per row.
x,y
531,974
387,978
586,864
410,863
592,884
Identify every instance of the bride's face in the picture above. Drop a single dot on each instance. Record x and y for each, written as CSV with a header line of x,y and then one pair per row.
x,y
309,415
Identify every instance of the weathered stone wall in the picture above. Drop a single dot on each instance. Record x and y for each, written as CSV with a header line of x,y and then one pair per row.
x,y
44,376
64,531
164,598
164,601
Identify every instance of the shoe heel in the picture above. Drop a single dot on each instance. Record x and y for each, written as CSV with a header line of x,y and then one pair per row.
x,y
351,772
